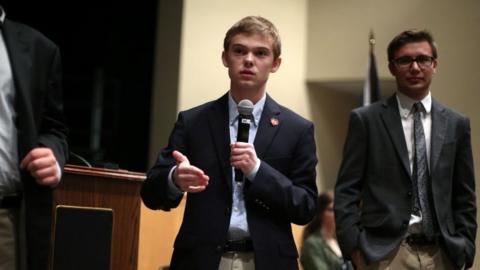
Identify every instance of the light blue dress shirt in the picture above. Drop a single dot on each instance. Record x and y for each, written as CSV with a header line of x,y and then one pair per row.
x,y
238,220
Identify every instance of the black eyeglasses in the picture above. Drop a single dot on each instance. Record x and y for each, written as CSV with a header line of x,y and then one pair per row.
x,y
423,61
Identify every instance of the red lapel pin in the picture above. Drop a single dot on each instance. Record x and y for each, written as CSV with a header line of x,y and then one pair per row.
x,y
274,121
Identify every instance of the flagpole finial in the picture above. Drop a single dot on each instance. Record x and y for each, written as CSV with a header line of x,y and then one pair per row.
x,y
371,39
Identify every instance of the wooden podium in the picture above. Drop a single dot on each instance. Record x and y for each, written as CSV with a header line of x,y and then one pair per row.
x,y
117,190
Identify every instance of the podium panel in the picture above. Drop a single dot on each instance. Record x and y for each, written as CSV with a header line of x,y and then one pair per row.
x,y
96,188
82,238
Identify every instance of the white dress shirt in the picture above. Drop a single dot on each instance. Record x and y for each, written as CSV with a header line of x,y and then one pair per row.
x,y
405,107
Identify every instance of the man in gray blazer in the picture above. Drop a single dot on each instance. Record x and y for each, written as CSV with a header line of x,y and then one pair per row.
x,y
33,143
405,193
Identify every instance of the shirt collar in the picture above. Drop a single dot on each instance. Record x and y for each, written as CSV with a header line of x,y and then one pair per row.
x,y
233,111
405,104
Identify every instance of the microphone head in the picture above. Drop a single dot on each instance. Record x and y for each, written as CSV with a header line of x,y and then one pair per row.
x,y
245,107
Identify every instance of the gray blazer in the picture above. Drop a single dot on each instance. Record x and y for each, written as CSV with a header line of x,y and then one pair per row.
x,y
373,193
36,69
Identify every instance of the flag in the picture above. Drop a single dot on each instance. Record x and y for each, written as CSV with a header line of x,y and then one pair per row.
x,y
371,87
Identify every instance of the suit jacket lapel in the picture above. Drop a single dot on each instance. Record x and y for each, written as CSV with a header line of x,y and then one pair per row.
x,y
439,126
219,128
393,123
20,60
270,122
19,52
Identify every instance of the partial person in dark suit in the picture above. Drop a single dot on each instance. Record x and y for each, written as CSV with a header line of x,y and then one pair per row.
x,y
33,146
245,223
405,193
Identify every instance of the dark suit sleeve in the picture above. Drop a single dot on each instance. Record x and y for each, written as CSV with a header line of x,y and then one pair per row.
x,y
463,193
155,192
53,131
349,185
292,195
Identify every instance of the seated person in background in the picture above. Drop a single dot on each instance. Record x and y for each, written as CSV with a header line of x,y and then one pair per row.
x,y
320,248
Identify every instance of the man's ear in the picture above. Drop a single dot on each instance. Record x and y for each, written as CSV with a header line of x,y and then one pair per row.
x,y
392,68
224,59
276,64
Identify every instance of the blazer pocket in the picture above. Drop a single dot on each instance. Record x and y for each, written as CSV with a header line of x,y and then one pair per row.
x,y
373,220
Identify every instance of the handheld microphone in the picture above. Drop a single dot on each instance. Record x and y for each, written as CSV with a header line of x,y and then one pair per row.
x,y
245,109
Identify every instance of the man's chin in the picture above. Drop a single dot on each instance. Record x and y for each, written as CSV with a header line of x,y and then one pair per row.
x,y
248,84
414,90
416,86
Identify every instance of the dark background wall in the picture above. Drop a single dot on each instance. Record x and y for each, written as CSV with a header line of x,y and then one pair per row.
x,y
107,54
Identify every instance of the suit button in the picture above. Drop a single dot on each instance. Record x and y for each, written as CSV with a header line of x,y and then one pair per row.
x,y
409,194
219,248
405,224
227,211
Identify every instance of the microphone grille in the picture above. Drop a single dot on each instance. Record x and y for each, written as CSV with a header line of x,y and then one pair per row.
x,y
245,107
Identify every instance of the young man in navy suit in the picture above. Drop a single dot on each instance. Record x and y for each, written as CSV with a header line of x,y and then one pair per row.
x,y
33,144
246,222
405,193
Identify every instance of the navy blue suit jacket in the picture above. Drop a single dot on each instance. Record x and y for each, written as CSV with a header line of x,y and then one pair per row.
x,y
282,192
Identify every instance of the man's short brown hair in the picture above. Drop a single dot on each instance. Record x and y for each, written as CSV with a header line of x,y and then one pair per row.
x,y
410,36
255,25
